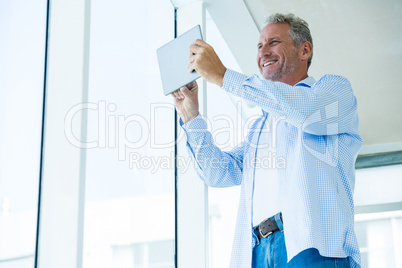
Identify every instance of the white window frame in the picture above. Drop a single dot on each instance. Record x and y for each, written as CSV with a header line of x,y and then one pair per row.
x,y
61,215
192,193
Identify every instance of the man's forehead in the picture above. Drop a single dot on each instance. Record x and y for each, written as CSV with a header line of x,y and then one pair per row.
x,y
278,30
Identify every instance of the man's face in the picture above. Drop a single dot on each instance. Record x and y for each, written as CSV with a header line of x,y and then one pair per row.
x,y
277,57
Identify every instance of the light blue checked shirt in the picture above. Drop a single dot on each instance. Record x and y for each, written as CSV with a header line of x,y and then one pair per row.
x,y
319,141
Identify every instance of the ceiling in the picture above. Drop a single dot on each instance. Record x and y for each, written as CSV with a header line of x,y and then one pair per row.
x,y
360,39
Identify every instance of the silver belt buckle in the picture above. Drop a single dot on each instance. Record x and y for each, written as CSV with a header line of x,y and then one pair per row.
x,y
259,230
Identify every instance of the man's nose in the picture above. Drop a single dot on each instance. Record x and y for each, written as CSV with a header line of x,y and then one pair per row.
x,y
264,51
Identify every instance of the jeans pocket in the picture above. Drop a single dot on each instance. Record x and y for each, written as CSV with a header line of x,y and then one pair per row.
x,y
342,263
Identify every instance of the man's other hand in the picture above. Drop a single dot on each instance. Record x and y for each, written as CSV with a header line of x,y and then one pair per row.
x,y
204,60
186,102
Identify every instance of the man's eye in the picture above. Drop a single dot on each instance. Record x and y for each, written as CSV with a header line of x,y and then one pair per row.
x,y
274,42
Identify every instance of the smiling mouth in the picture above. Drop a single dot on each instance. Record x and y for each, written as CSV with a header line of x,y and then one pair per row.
x,y
269,63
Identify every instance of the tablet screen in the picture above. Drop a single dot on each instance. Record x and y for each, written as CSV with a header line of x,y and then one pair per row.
x,y
173,60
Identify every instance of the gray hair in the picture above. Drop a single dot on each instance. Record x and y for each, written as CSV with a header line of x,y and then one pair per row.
x,y
299,31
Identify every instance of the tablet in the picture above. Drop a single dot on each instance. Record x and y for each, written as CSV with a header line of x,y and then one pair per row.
x,y
173,60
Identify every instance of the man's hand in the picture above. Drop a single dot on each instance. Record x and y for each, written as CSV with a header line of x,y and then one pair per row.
x,y
186,102
204,60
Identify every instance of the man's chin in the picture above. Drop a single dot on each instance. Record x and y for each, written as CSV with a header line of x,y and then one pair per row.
x,y
272,76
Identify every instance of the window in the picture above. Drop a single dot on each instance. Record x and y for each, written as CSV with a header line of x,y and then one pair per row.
x,y
151,254
21,94
380,238
378,219
130,176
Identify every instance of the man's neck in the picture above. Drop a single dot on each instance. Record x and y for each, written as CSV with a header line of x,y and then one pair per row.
x,y
294,79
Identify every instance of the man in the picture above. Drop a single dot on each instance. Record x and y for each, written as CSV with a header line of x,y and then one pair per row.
x,y
310,198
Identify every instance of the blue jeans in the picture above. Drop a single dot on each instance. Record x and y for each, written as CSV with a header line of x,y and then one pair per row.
x,y
270,252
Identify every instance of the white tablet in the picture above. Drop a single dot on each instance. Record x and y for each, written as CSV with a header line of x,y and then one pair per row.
x,y
173,60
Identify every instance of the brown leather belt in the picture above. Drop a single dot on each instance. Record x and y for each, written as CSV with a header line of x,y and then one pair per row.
x,y
267,227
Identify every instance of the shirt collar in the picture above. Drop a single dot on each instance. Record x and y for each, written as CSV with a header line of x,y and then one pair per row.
x,y
309,81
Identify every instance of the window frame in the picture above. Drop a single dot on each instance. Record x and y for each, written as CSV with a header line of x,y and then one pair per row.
x,y
63,178
192,194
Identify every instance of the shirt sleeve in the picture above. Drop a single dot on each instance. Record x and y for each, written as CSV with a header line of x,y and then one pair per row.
x,y
215,167
326,108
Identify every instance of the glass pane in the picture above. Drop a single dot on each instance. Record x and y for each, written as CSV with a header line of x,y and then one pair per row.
x,y
130,181
361,233
379,236
22,22
378,185
159,251
398,241
399,228
379,242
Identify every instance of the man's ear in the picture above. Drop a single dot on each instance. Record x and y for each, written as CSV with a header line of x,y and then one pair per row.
x,y
306,50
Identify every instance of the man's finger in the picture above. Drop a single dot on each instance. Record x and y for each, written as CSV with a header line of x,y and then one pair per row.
x,y
185,91
191,60
181,96
196,48
176,94
191,85
191,67
191,53
200,43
